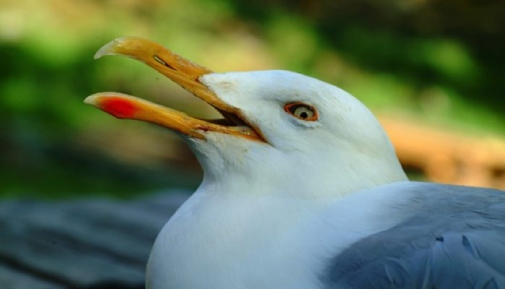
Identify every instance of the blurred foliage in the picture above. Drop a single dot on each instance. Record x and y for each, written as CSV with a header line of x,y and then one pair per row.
x,y
440,60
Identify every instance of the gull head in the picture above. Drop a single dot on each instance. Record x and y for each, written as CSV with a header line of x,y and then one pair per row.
x,y
281,131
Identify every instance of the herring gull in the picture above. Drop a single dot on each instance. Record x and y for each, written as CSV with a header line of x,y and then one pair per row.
x,y
302,189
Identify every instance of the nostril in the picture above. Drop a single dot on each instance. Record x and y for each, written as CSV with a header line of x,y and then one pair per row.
x,y
162,62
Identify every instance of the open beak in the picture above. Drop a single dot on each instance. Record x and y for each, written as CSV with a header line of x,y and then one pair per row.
x,y
184,73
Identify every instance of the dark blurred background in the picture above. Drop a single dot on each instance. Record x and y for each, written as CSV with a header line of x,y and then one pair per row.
x,y
433,70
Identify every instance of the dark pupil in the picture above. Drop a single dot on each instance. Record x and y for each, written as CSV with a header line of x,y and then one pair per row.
x,y
304,115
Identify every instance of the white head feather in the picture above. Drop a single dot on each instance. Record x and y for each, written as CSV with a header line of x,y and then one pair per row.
x,y
344,151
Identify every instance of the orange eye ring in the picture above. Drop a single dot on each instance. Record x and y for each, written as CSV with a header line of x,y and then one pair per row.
x,y
301,111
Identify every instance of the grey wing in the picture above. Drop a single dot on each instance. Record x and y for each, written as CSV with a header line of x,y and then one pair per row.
x,y
453,242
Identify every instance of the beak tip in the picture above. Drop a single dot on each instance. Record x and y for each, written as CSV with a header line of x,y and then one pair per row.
x,y
91,100
110,48
107,49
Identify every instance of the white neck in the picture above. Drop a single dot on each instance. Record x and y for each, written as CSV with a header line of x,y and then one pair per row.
x,y
256,170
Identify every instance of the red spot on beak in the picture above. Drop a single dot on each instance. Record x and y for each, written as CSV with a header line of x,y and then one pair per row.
x,y
118,107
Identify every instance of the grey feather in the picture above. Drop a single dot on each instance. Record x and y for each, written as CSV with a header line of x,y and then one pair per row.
x,y
455,238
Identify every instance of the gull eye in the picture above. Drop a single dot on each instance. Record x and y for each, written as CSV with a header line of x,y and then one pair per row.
x,y
301,111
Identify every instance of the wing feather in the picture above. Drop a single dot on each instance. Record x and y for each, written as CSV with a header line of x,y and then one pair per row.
x,y
457,240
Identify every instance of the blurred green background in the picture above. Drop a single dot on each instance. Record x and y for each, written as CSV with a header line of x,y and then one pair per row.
x,y
437,61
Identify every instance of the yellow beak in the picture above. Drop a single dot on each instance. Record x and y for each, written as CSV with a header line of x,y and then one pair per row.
x,y
184,73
